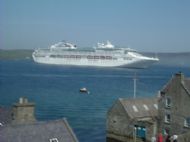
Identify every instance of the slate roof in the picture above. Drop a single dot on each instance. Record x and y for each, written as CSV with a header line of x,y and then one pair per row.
x,y
185,84
140,108
5,115
38,132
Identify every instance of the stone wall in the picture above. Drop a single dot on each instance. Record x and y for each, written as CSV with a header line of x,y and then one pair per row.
x,y
179,110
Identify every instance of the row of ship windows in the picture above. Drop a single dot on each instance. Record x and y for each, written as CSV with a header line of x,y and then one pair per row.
x,y
79,57
88,57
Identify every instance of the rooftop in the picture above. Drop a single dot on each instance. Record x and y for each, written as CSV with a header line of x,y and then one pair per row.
x,y
5,115
185,82
140,108
32,131
38,132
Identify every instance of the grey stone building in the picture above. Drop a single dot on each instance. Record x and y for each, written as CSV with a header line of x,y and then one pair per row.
x,y
20,125
168,114
174,106
130,119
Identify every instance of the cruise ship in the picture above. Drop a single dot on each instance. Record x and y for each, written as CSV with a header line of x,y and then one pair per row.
x,y
103,55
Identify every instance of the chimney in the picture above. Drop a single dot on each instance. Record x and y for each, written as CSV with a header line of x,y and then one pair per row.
x,y
180,77
23,112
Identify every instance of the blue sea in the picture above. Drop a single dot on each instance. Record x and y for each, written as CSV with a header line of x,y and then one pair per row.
x,y
55,90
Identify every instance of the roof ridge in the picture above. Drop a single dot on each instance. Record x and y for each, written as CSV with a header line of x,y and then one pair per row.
x,y
123,106
185,88
168,83
64,120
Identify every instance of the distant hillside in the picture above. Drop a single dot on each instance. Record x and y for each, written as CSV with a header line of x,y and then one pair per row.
x,y
172,59
15,54
168,59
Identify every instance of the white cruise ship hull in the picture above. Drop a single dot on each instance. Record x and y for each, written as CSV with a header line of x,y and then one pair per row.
x,y
134,63
105,55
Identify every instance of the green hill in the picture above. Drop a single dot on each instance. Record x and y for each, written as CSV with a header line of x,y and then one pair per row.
x,y
15,54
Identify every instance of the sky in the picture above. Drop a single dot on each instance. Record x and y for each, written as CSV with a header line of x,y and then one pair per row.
x,y
144,25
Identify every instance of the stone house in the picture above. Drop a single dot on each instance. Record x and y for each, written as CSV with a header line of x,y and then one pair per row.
x,y
174,103
130,119
169,113
20,125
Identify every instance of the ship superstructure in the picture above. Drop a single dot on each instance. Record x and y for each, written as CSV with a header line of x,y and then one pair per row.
x,y
104,55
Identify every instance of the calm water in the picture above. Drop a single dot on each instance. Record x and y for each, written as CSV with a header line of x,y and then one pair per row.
x,y
55,90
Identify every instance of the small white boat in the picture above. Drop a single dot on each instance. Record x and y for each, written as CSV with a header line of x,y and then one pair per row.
x,y
84,90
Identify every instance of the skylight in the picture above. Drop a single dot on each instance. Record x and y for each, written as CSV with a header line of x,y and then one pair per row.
x,y
156,106
146,107
135,108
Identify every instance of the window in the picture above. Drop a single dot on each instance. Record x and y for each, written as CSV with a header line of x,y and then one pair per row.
x,y
53,140
90,57
168,102
135,108
140,131
162,93
145,107
78,56
156,106
108,57
167,118
102,57
96,57
187,122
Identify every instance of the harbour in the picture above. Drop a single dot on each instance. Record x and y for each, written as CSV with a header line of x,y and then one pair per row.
x,y
55,90
94,71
